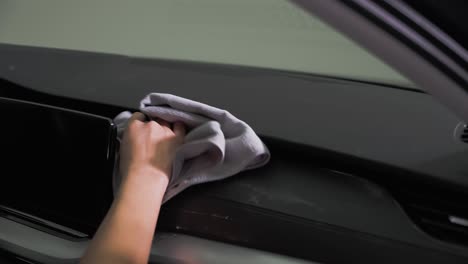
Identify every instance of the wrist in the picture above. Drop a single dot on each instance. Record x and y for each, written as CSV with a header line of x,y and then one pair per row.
x,y
143,182
148,174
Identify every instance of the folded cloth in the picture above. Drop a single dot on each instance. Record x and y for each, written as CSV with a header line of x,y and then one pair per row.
x,y
217,144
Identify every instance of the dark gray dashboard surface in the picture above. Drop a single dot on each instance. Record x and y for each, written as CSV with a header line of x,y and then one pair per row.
x,y
402,128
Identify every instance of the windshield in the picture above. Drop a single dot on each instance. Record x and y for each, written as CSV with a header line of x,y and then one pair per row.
x,y
272,34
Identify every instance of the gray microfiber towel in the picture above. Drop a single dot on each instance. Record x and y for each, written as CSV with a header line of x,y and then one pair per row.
x,y
217,144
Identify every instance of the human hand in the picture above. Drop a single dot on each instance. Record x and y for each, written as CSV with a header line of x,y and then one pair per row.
x,y
149,146
147,152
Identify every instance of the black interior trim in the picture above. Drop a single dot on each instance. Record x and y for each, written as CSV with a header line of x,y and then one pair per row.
x,y
284,234
448,15
9,258
359,8
432,39
40,225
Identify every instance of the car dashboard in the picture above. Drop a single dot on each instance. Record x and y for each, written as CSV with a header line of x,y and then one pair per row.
x,y
311,203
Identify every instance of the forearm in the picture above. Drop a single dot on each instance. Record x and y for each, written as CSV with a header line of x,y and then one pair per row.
x,y
128,228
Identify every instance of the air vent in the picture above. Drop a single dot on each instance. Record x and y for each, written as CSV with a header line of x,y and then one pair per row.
x,y
461,132
442,220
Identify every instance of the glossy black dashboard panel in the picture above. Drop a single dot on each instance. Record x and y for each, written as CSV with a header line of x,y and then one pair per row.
x,y
56,164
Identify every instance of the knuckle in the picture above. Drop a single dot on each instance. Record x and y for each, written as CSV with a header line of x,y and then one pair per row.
x,y
133,125
152,126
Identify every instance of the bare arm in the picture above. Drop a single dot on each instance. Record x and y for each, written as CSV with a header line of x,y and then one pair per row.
x,y
126,233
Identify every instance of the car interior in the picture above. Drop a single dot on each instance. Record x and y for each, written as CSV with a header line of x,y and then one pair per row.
x,y
360,171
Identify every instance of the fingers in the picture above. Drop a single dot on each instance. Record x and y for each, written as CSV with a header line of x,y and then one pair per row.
x,y
137,116
179,129
163,123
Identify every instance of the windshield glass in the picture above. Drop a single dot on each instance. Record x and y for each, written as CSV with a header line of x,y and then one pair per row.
x,y
273,34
